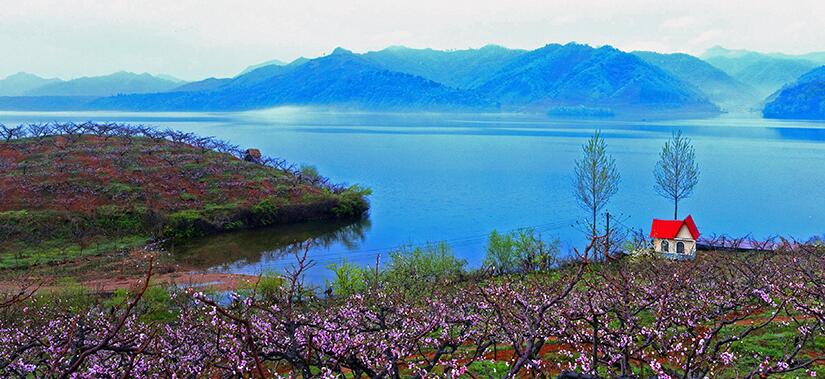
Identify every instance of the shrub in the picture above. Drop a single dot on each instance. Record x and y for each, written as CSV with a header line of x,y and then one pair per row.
x,y
522,250
349,279
413,268
352,202
266,211
184,224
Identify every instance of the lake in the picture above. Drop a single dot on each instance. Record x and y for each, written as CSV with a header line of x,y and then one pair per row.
x,y
456,177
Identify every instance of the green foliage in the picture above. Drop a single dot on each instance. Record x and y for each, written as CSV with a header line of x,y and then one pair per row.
x,y
352,202
119,220
501,254
422,267
266,211
118,190
69,295
14,216
349,279
183,225
58,250
489,369
519,251
158,306
185,196
267,286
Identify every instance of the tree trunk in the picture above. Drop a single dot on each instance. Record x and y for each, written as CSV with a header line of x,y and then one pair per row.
x,y
675,208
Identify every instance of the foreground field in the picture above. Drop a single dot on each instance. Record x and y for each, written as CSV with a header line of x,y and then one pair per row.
x,y
423,315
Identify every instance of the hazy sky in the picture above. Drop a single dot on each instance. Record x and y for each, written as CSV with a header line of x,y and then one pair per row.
x,y
193,39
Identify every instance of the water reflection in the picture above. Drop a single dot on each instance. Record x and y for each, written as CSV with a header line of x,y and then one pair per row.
x,y
262,247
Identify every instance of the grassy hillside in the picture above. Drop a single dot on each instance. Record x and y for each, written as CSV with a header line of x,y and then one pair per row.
x,y
72,189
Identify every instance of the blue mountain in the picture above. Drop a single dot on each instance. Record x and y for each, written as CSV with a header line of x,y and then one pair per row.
x,y
455,68
272,62
766,73
804,99
341,79
553,79
718,86
574,74
208,84
108,85
22,82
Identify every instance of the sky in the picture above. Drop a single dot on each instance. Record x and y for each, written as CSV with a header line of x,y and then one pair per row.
x,y
195,39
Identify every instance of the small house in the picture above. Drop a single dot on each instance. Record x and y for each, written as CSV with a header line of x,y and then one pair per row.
x,y
675,239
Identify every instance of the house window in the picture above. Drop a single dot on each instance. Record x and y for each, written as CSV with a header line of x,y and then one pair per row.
x,y
680,247
665,246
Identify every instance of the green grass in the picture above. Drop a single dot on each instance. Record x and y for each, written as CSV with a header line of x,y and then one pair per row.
x,y
59,250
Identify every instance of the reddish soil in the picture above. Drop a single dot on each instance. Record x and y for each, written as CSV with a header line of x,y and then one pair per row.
x,y
105,274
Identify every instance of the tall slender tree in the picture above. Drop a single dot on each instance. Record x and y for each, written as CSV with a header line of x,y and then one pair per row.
x,y
677,172
597,179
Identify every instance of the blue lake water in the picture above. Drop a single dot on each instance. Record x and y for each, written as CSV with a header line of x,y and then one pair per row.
x,y
456,177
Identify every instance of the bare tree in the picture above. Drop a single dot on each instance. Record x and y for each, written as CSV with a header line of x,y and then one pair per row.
x,y
596,179
676,172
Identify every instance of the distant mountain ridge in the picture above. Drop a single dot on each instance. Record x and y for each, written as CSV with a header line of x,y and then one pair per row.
x,y
271,62
554,79
804,99
717,85
457,68
575,74
766,73
22,82
556,75
107,85
340,79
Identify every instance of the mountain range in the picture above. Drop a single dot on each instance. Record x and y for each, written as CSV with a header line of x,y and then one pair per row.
x,y
464,69
553,79
717,85
341,79
573,74
804,99
23,84
766,73
400,78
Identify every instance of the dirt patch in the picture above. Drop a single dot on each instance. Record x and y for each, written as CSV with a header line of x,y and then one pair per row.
x,y
105,274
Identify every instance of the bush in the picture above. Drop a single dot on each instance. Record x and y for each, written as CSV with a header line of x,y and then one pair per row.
x,y
349,279
522,250
266,211
184,224
414,268
352,202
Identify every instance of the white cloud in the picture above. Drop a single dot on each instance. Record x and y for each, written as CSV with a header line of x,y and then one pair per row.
x,y
679,22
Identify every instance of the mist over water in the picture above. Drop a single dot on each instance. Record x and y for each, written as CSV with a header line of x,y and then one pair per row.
x,y
456,177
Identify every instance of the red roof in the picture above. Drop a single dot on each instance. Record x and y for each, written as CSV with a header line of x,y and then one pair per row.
x,y
670,228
